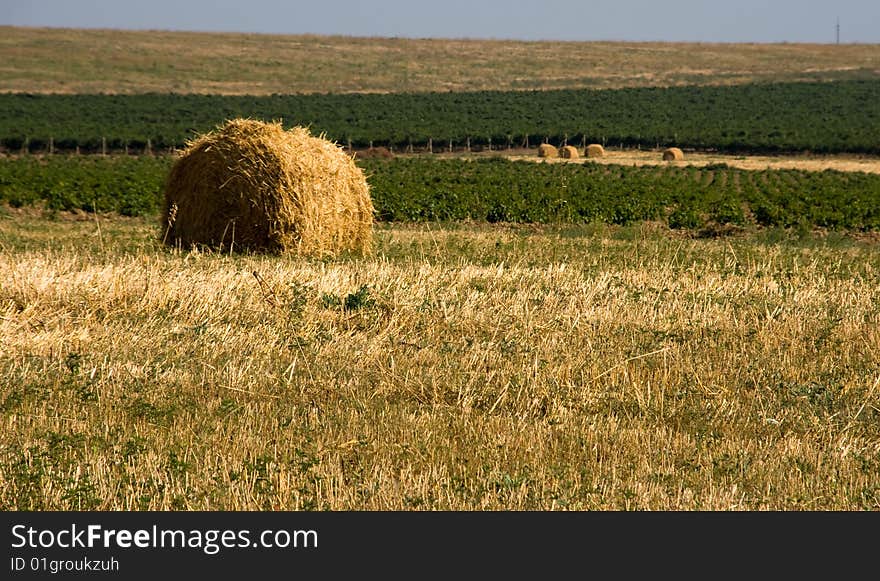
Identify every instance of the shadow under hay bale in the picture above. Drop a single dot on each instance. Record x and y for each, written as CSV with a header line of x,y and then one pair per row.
x,y
547,150
673,154
569,152
595,150
250,185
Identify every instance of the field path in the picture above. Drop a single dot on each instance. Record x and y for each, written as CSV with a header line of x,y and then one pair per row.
x,y
847,163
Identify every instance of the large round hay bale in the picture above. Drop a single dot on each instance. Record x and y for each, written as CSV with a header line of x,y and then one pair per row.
x,y
251,185
547,150
595,150
673,154
569,152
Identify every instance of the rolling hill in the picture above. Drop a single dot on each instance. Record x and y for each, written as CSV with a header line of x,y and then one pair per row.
x,y
57,60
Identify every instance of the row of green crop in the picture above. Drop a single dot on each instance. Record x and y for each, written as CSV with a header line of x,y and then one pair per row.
x,y
498,190
127,185
523,191
822,117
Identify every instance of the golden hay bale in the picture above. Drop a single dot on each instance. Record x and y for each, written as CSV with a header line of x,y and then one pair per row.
x,y
374,153
547,150
673,154
252,185
595,150
569,152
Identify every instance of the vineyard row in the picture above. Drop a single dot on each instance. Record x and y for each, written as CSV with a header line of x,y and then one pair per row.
x,y
839,116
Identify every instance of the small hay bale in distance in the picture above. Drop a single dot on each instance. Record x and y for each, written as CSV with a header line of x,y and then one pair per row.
x,y
569,152
547,150
673,154
251,185
595,150
374,153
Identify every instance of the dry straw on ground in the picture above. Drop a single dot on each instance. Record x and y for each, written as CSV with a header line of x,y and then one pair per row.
x,y
499,368
252,185
595,150
673,154
547,150
569,152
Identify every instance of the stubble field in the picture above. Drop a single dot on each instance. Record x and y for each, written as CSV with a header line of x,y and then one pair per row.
x,y
462,366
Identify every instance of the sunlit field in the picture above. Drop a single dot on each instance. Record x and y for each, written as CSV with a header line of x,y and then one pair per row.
x,y
462,366
53,60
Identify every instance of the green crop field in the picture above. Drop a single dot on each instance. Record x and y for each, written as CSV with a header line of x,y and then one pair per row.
x,y
817,117
421,189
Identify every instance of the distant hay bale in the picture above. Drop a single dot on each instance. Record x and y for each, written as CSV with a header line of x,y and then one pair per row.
x,y
569,152
595,150
673,154
547,150
252,185
374,153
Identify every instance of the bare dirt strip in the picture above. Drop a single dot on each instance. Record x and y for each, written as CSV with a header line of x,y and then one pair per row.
x,y
806,162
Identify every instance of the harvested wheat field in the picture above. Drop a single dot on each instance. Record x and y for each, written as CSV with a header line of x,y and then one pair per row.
x,y
459,367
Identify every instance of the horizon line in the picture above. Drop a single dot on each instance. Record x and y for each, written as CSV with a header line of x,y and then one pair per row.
x,y
831,42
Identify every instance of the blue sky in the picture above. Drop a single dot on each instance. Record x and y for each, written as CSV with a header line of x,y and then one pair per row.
x,y
665,20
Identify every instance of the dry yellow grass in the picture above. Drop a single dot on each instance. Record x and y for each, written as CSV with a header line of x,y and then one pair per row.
x,y
113,61
465,368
